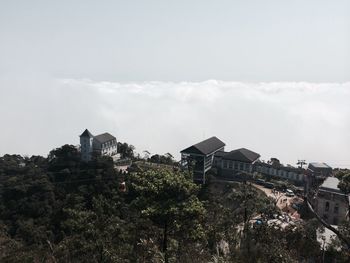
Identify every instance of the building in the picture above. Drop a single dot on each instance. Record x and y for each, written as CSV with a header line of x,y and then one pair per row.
x,y
320,169
199,157
316,173
103,144
275,169
233,165
331,204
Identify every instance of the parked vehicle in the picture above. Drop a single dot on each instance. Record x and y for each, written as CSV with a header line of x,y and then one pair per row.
x,y
269,185
289,193
260,181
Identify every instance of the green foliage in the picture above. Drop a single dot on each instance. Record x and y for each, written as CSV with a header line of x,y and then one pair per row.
x,y
97,235
59,209
169,200
126,150
344,177
162,159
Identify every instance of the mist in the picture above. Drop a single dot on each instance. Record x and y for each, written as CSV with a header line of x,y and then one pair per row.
x,y
286,120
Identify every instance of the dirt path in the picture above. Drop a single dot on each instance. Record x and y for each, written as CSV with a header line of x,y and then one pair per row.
x,y
283,202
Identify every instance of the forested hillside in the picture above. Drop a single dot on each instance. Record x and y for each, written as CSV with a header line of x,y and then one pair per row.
x,y
59,209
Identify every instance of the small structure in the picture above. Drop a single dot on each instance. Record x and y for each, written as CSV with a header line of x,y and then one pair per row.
x,y
320,169
331,204
231,165
199,157
103,144
315,174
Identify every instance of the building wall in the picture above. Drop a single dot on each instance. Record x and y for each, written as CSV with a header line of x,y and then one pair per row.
x,y
280,172
109,148
202,163
229,169
332,207
86,148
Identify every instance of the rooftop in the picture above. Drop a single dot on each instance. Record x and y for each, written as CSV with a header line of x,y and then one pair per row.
x,y
330,184
205,147
242,154
104,137
320,165
86,133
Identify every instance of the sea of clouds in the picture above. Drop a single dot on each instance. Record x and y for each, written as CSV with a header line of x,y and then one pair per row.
x,y
286,120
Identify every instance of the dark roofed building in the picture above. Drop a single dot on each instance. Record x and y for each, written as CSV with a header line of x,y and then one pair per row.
x,y
200,156
231,165
320,169
104,144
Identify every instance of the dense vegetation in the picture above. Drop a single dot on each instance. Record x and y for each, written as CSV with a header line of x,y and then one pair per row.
x,y
59,209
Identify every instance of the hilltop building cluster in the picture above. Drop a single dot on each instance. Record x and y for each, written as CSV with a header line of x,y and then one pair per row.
x,y
240,164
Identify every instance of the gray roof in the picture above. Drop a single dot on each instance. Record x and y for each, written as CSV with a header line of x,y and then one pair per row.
x,y
320,165
205,147
243,155
86,133
104,137
331,184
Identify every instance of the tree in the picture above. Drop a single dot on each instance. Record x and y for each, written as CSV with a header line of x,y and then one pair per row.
x,y
169,200
147,154
126,150
344,184
96,235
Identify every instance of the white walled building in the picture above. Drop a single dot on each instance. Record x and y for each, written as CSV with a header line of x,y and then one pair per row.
x,y
331,203
104,144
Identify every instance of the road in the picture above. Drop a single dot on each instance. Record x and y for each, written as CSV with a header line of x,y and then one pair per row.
x,y
283,202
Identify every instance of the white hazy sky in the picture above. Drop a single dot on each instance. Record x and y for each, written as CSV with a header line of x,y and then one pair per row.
x,y
272,76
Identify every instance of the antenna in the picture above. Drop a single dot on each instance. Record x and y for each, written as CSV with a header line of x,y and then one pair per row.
x,y
301,163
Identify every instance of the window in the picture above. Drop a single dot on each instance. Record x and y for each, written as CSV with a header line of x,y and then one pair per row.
x,y
236,166
336,208
241,166
230,165
327,207
225,164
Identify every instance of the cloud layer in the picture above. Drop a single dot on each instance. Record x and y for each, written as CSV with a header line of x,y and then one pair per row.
x,y
286,120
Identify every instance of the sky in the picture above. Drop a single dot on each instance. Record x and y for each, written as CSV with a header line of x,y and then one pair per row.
x,y
272,76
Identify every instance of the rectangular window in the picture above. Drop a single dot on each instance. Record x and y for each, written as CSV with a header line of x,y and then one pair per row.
x,y
327,207
336,209
230,166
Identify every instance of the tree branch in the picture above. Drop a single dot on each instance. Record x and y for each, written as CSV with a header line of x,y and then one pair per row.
x,y
326,225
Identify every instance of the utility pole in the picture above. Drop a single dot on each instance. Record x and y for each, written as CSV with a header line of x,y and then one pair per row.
x,y
301,163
